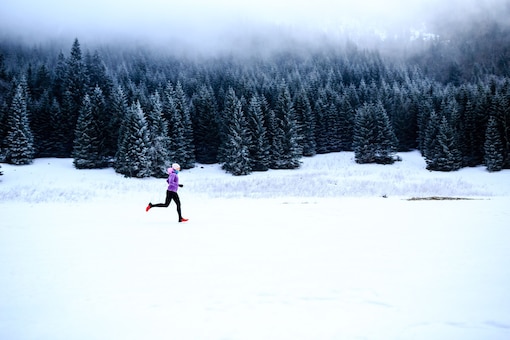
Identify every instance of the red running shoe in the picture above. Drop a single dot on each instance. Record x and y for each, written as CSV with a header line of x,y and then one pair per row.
x,y
183,220
148,207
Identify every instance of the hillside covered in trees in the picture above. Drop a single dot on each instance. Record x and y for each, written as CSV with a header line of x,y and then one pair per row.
x,y
138,110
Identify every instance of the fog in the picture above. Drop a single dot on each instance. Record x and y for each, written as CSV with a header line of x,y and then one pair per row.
x,y
207,24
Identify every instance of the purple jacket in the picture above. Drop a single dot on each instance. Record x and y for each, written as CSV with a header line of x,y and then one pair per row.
x,y
173,181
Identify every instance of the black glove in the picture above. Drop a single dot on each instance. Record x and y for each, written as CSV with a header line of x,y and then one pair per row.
x,y
180,185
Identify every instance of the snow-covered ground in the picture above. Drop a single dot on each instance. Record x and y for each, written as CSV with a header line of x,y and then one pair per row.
x,y
334,250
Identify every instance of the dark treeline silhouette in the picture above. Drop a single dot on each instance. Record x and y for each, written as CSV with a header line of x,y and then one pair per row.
x,y
138,111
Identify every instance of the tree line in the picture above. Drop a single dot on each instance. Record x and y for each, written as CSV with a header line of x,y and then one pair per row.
x,y
137,111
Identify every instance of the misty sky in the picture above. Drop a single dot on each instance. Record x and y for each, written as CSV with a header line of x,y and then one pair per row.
x,y
206,19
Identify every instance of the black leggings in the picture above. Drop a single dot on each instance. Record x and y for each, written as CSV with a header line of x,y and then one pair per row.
x,y
170,195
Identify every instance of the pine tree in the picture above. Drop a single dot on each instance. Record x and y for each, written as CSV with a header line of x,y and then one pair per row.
x,y
474,122
226,119
42,82
321,124
306,123
68,110
180,127
364,138
118,110
19,141
183,106
403,117
274,133
259,144
89,151
40,125
97,73
102,116
56,145
346,115
493,147
205,126
430,143
481,107
75,85
133,157
424,103
59,78
291,151
76,80
446,155
388,142
374,139
333,118
160,142
87,143
237,155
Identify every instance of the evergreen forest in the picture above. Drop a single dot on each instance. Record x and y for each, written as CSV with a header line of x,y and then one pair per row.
x,y
138,111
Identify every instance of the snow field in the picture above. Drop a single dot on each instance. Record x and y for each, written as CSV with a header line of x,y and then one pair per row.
x,y
81,259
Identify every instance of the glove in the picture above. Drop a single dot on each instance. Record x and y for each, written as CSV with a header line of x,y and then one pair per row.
x,y
180,185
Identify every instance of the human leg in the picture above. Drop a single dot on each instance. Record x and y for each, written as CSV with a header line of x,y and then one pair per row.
x,y
168,199
177,200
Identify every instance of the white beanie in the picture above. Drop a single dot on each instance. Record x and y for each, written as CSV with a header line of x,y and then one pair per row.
x,y
175,166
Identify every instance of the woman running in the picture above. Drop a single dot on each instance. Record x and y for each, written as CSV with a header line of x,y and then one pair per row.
x,y
171,192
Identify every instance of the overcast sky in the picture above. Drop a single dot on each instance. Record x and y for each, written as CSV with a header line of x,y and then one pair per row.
x,y
208,19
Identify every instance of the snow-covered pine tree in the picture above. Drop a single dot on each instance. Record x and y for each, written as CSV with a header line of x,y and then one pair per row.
x,y
321,123
500,108
364,138
56,140
425,107
286,120
387,145
97,73
306,123
205,125
374,140
133,157
67,123
493,147
180,127
429,139
118,110
87,143
345,124
102,117
445,155
259,144
76,86
403,116
475,119
59,77
226,119
467,126
332,119
450,110
274,133
182,102
160,142
236,152
40,124
19,141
